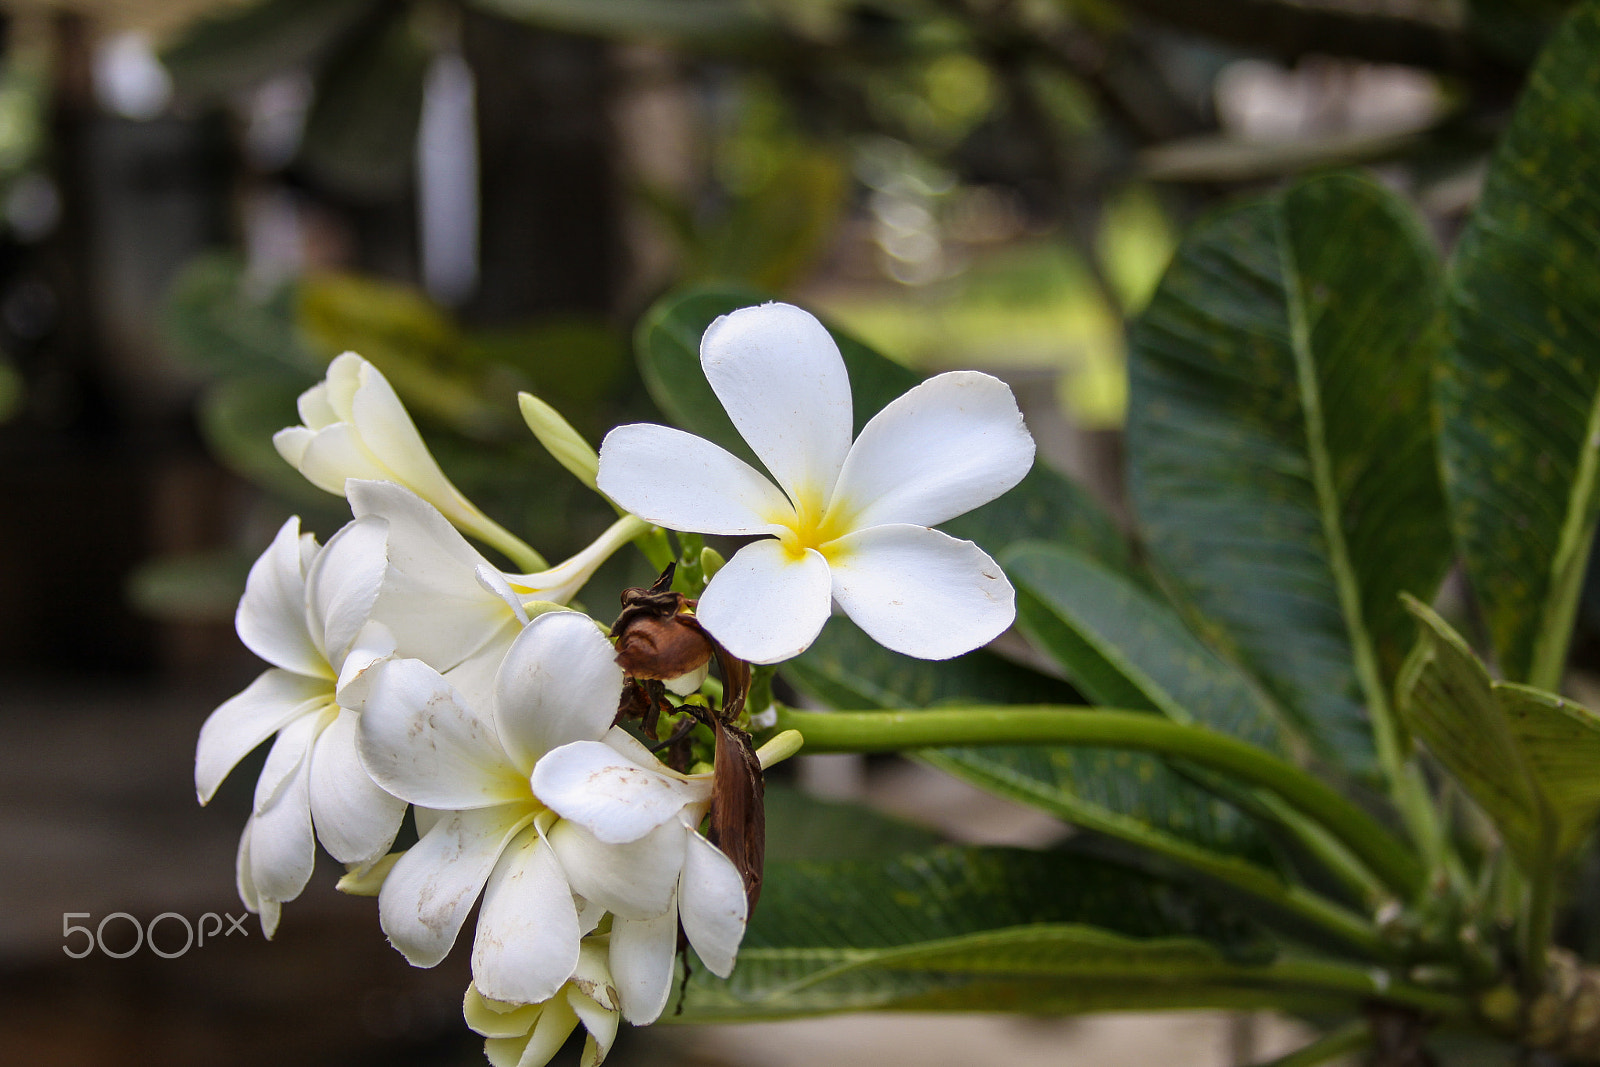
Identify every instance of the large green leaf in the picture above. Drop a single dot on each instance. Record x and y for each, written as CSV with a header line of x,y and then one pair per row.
x,y
361,133
221,321
960,927
1124,648
1281,458
1519,392
1530,759
1045,505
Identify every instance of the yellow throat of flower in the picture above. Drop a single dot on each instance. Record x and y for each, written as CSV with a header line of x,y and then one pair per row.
x,y
816,523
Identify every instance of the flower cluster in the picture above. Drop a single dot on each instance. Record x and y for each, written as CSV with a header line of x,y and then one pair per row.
x,y
407,671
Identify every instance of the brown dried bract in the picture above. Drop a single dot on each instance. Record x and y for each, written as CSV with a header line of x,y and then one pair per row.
x,y
657,635
658,638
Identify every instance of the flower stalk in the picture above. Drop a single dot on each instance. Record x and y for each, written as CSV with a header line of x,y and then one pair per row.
x,y
889,731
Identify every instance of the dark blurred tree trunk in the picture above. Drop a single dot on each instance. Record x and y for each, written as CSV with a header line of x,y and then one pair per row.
x,y
548,232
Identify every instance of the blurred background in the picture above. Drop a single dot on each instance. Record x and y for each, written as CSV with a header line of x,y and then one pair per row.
x,y
203,201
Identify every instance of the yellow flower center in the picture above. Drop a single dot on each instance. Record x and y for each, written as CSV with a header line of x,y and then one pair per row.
x,y
816,523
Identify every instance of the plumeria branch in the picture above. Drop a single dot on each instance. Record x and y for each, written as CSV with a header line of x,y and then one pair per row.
x,y
890,731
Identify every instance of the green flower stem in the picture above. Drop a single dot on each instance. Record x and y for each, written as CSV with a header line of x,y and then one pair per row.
x,y
655,546
1366,983
518,551
1536,927
1352,1037
890,731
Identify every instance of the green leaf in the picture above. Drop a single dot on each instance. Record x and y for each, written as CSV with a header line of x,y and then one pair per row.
x,y
1519,389
237,48
1530,759
217,320
712,25
801,827
1281,458
1124,648
961,926
406,336
361,132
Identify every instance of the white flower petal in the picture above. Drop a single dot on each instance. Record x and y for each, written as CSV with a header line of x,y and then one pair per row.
x,y
390,434
634,880
949,445
343,584
921,592
292,442
271,619
711,904
432,600
591,979
493,1019
766,605
355,819
282,849
614,798
335,454
600,1021
782,381
372,645
684,482
642,955
433,886
242,722
555,1025
559,683
287,753
527,941
241,873
561,583
328,401
422,742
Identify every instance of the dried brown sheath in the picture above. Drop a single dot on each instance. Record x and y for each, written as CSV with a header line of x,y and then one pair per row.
x,y
659,638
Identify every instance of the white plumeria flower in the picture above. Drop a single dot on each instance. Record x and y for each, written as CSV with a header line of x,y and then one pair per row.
x,y
850,522
615,798
305,611
440,598
528,1035
465,747
354,426
470,749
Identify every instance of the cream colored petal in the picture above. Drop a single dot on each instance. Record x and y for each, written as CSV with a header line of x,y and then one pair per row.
x,y
423,743
267,705
559,683
343,585
634,880
271,619
767,605
782,381
355,819
949,445
527,940
612,797
643,952
712,904
921,592
431,599
433,887
683,482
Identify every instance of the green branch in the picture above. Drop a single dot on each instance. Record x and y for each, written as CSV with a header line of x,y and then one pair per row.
x,y
892,731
